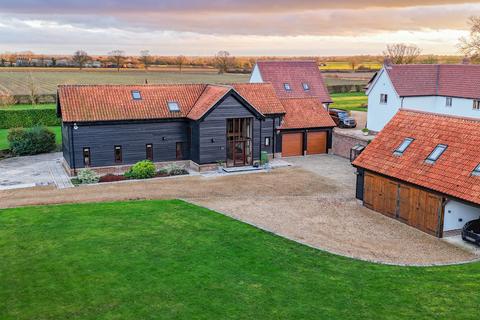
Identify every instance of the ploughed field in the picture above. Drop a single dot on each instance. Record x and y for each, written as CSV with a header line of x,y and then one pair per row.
x,y
171,259
21,82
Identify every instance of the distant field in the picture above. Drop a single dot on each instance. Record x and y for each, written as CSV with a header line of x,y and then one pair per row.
x,y
348,65
46,82
350,101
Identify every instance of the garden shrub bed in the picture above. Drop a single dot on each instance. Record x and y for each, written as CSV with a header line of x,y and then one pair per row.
x,y
28,118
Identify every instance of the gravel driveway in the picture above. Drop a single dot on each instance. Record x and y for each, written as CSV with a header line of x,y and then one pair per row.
x,y
312,202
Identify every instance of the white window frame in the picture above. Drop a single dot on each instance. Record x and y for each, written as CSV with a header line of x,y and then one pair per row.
x,y
448,102
436,153
403,146
383,98
267,141
173,106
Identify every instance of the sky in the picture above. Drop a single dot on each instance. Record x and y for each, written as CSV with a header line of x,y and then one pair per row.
x,y
242,27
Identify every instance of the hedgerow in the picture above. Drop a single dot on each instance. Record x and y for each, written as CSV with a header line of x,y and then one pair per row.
x,y
28,118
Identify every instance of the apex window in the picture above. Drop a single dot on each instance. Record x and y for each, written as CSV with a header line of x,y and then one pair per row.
x,y
383,98
476,104
448,102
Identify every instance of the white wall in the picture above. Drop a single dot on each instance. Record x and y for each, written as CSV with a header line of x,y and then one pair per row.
x,y
437,104
256,77
456,211
380,114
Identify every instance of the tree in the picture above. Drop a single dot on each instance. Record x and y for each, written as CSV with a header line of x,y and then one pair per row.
x,y
401,53
471,46
180,61
32,89
80,57
431,59
223,61
117,57
145,58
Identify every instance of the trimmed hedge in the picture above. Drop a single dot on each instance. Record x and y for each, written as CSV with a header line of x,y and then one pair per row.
x,y
31,141
28,118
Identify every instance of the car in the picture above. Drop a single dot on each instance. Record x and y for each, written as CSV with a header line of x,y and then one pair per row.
x,y
342,118
471,232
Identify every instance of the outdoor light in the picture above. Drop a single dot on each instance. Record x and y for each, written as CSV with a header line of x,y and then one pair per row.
x,y
163,138
75,127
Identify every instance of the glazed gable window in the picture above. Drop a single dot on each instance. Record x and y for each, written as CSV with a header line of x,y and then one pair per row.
x,y
383,98
476,104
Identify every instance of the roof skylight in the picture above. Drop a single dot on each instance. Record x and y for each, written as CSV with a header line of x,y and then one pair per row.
x,y
173,106
403,146
476,171
287,87
436,153
136,95
305,86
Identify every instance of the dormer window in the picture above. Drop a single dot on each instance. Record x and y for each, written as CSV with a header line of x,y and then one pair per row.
x,y
476,171
476,104
305,86
403,146
436,153
383,98
287,87
448,102
173,106
136,95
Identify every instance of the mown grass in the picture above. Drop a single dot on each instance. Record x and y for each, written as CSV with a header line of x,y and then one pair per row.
x,y
4,145
173,260
30,106
349,101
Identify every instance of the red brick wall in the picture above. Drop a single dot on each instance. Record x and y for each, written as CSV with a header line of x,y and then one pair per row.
x,y
342,143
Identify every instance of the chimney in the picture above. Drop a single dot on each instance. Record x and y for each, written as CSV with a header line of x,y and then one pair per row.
x,y
466,60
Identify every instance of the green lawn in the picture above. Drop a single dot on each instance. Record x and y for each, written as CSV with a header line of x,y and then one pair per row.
x,y
173,260
349,101
30,106
4,133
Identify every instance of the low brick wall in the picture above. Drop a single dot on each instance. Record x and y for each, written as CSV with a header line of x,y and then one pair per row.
x,y
118,170
343,141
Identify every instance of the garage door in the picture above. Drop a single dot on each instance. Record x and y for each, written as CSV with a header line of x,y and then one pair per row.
x,y
316,142
292,144
418,208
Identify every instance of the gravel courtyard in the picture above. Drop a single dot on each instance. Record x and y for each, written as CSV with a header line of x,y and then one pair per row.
x,y
312,202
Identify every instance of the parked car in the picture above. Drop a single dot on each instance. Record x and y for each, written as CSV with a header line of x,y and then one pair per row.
x,y
342,118
471,232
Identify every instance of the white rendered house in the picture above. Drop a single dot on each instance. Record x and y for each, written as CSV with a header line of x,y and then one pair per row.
x,y
443,89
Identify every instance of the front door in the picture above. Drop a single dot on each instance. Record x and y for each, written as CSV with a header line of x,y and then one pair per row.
x,y
239,142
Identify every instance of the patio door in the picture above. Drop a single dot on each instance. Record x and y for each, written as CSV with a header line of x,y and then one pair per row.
x,y
239,142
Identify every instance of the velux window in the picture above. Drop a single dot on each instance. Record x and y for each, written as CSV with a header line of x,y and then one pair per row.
x,y
136,95
436,153
287,87
403,146
173,106
476,171
305,86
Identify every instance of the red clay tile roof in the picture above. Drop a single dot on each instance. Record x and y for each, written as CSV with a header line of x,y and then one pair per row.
x,y
428,80
114,102
305,113
450,174
295,73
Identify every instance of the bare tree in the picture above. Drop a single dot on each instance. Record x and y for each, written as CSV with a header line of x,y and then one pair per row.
x,y
80,57
401,53
180,61
471,46
223,61
32,89
145,58
430,59
117,57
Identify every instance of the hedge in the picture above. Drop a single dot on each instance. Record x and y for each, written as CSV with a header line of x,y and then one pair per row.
x,y
28,118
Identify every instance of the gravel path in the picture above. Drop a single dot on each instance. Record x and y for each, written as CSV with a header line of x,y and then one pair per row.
x,y
312,203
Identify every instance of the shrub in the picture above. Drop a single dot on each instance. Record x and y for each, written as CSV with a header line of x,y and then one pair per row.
x,y
176,170
31,141
87,176
141,170
28,118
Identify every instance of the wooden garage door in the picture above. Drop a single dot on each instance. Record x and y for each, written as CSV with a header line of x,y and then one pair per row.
x,y
292,144
413,206
316,142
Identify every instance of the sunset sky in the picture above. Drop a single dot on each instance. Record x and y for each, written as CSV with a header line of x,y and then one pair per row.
x,y
197,27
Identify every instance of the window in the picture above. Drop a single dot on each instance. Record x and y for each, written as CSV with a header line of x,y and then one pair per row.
x,y
476,104
383,98
287,87
305,86
448,101
173,106
87,161
149,151
136,95
267,141
118,154
476,171
403,146
179,147
436,153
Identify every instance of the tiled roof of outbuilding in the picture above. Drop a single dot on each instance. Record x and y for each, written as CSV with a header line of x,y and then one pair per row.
x,y
305,113
451,174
